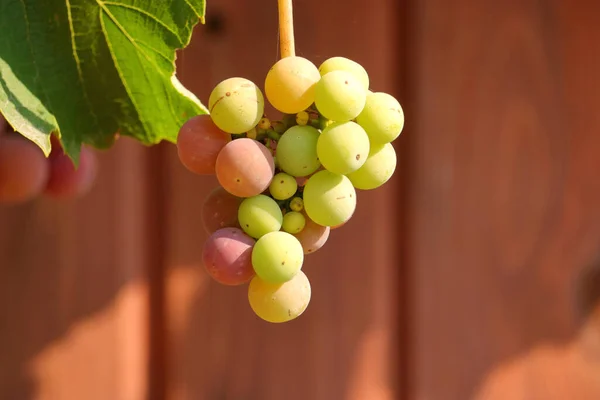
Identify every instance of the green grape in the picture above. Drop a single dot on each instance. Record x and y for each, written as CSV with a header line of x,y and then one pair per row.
x,y
329,198
293,222
264,123
339,96
259,215
236,105
283,186
290,84
302,118
343,147
297,151
277,303
277,257
297,204
382,118
378,169
345,64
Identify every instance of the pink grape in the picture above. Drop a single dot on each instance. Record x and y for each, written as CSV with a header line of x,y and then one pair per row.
x,y
66,181
24,170
199,143
220,210
245,167
313,236
227,256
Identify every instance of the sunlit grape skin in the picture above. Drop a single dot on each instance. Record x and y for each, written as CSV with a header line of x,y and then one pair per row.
x,y
345,64
339,96
24,171
290,84
329,199
277,257
297,151
227,256
377,170
382,118
293,222
313,236
245,167
259,215
277,303
236,105
220,210
343,147
198,144
68,182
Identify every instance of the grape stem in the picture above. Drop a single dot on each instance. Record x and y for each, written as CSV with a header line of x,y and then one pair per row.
x,y
286,29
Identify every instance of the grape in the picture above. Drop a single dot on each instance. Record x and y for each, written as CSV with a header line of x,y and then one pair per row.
x,y
227,256
278,303
236,105
283,186
293,222
277,257
382,118
264,123
302,118
345,64
297,151
220,210
343,147
24,170
313,236
329,198
377,170
290,84
297,204
245,167
198,144
259,215
339,96
68,182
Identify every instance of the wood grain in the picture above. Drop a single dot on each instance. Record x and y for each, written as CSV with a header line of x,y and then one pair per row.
x,y
503,193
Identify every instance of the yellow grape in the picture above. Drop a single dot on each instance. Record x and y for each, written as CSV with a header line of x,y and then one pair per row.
x,y
236,105
278,303
290,84
382,118
277,257
339,96
329,199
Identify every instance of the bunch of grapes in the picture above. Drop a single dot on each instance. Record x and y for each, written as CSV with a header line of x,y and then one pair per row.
x,y
285,184
25,173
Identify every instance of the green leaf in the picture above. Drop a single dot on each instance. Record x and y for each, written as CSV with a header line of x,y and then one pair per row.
x,y
89,69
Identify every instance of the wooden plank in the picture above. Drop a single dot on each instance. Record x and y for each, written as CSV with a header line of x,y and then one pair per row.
x,y
344,346
504,196
74,303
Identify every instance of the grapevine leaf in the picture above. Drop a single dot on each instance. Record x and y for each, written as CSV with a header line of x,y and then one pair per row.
x,y
89,69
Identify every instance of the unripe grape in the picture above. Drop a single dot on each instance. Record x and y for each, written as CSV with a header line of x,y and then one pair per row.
x,y
259,215
297,204
236,105
382,118
343,147
329,199
277,257
339,96
345,64
290,84
293,222
283,186
277,303
377,170
297,151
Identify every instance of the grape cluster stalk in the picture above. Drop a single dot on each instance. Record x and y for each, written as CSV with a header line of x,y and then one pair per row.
x,y
285,184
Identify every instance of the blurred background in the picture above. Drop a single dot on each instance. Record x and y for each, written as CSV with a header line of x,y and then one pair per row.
x,y
473,274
